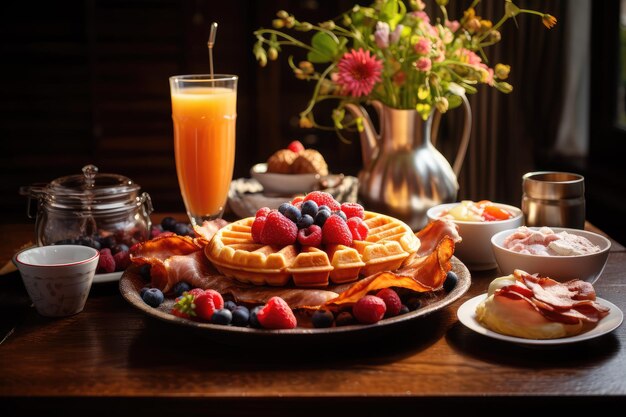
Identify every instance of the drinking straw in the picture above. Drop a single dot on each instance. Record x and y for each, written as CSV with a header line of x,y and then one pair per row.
x,y
210,43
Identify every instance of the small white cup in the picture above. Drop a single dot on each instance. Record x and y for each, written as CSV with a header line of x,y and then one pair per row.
x,y
58,278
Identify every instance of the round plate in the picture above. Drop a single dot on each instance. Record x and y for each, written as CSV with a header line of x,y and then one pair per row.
x,y
131,283
467,316
111,277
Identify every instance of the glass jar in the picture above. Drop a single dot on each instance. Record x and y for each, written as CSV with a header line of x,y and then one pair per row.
x,y
98,210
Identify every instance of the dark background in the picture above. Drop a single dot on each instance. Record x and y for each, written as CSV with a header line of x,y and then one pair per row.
x,y
87,82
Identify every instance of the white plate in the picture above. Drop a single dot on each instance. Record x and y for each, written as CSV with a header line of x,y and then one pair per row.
x,y
111,277
467,316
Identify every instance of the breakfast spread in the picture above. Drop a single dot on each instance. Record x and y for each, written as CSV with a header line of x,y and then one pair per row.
x,y
533,307
295,159
546,242
482,211
343,266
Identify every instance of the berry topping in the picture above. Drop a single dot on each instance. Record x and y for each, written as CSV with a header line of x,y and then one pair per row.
x,y
298,199
358,228
304,221
292,213
403,310
322,319
295,146
144,271
392,301
196,292
309,207
106,263
311,236
122,260
324,207
230,305
344,319
283,208
369,309
223,316
241,316
180,288
257,228
450,282
182,229
153,297
335,231
262,212
254,320
323,198
278,230
321,217
276,314
342,215
168,224
119,248
353,210
413,303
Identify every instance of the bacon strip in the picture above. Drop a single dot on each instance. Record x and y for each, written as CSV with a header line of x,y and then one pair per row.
x,y
433,233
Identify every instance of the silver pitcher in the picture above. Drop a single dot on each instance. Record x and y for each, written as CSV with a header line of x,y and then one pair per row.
x,y
403,173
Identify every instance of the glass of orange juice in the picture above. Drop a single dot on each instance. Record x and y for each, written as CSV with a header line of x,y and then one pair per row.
x,y
204,111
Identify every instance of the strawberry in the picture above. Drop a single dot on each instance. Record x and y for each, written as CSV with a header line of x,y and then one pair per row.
x,y
323,199
106,263
297,199
276,314
353,210
185,307
295,146
311,236
369,309
336,231
262,212
257,228
195,291
392,301
358,228
278,230
207,303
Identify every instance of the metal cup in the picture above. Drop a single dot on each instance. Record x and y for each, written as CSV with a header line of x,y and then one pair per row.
x,y
554,199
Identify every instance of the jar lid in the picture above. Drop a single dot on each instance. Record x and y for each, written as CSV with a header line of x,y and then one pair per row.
x,y
91,191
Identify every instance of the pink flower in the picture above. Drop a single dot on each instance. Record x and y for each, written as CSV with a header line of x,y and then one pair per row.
x,y
469,56
358,72
453,25
381,35
423,64
421,15
395,35
422,46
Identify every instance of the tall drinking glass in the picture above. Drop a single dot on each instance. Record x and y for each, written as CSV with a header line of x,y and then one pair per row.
x,y
204,111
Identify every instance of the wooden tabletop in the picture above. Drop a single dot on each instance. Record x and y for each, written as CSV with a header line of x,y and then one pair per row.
x,y
112,358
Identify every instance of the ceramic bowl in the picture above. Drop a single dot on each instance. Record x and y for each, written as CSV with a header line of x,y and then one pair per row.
x,y
475,249
284,184
561,268
58,278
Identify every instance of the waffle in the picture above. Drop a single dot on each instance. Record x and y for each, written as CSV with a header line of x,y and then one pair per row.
x,y
234,253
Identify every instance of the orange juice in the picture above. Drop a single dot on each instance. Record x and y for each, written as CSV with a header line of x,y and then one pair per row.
x,y
204,143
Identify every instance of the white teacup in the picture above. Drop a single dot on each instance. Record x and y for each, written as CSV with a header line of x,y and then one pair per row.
x,y
58,278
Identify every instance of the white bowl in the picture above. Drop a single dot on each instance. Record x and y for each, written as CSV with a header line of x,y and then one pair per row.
x,y
475,249
284,184
58,278
561,268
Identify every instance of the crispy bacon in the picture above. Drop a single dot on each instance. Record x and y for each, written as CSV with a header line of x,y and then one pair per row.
x,y
433,233
208,229
162,247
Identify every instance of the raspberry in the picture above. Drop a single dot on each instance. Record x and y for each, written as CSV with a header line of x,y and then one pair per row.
x,y
207,303
257,228
122,260
392,301
311,236
276,314
323,199
358,228
336,231
295,146
262,212
106,263
196,292
369,309
353,210
278,230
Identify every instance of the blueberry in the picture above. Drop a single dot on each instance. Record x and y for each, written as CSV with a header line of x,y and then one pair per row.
x,y
181,229
342,215
144,271
222,316
168,223
413,303
241,316
119,248
322,318
180,288
230,305
403,309
324,207
108,242
309,207
283,208
153,297
254,321
87,241
142,291
305,221
450,282
344,319
293,214
321,217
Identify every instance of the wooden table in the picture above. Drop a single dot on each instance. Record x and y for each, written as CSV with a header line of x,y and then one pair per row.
x,y
113,359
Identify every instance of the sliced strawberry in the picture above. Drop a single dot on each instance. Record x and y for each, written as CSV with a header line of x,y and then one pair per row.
x,y
276,314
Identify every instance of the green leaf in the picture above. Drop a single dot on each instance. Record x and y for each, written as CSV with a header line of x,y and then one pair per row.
x,y
454,101
389,11
324,48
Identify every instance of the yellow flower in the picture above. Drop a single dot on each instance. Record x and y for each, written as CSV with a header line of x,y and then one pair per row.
x,y
548,21
502,71
485,25
305,122
306,67
442,104
469,14
423,92
272,53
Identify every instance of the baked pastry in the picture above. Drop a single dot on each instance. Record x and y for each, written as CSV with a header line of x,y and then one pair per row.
x,y
310,161
281,162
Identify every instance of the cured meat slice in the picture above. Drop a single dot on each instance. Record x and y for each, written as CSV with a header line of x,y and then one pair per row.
x,y
163,247
433,233
208,229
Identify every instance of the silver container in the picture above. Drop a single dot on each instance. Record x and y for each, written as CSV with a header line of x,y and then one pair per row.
x,y
555,199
